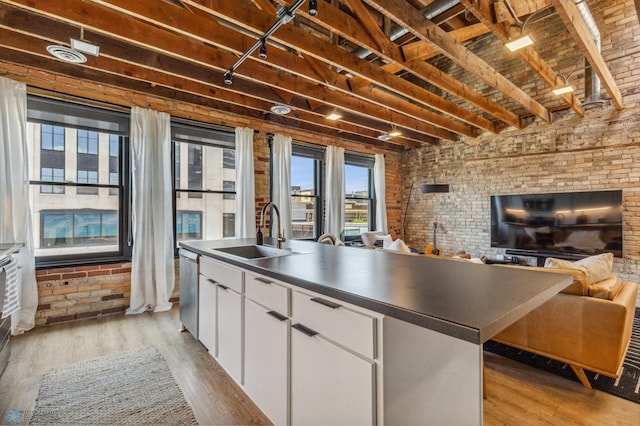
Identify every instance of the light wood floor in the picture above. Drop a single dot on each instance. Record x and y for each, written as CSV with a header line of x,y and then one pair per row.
x,y
517,394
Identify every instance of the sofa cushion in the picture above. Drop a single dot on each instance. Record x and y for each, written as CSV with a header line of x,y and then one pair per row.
x,y
579,285
596,268
607,288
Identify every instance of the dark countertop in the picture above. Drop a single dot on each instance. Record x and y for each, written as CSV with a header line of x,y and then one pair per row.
x,y
469,301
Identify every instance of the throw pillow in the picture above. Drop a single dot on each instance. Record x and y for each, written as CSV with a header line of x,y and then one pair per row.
x,y
399,246
596,268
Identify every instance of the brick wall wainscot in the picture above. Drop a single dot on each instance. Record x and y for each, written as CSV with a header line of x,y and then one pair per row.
x,y
81,292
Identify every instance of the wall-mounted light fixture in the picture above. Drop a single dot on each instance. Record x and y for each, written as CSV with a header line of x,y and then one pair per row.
x,y
434,188
285,15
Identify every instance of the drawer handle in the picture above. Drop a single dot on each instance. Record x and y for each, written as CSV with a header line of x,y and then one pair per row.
x,y
325,302
263,281
277,315
222,286
304,330
212,281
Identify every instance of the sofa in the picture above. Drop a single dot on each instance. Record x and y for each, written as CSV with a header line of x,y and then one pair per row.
x,y
587,325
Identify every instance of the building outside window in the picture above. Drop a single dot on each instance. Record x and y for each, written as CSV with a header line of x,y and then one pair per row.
x,y
306,214
204,187
82,219
359,215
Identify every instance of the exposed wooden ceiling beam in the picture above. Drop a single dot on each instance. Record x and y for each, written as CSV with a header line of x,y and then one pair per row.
x,y
424,50
575,24
343,24
114,24
323,50
448,46
482,11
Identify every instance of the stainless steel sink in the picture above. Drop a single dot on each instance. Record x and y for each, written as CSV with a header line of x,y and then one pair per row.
x,y
254,251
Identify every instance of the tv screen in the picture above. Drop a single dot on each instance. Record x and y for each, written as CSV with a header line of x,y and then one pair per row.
x,y
572,223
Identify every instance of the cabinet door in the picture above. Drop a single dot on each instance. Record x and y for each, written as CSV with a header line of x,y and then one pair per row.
x,y
207,305
329,385
266,350
230,331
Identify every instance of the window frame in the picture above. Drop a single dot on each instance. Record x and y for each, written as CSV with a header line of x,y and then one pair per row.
x,y
191,130
79,116
317,155
351,159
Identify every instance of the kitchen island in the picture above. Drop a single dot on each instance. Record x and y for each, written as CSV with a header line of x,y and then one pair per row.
x,y
360,336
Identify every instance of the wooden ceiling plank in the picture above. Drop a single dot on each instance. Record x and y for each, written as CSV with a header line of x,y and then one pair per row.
x,y
482,11
578,29
338,21
428,31
265,6
370,25
156,79
311,45
114,24
207,31
424,50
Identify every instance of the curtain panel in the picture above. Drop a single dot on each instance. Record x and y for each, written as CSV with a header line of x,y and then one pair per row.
x,y
380,191
245,187
334,193
152,269
281,183
15,210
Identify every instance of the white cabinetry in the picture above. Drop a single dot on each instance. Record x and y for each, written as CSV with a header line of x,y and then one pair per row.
x,y
207,307
329,384
333,374
222,307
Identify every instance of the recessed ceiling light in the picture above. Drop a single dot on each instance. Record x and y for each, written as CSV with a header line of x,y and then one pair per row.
x,y
281,109
562,90
67,54
519,43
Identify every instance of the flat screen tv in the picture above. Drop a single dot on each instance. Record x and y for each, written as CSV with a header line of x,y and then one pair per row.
x,y
571,223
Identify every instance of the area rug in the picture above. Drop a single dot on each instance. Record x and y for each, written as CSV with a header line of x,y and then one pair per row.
x,y
131,388
626,386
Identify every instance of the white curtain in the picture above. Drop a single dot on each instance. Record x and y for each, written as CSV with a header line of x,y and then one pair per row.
x,y
334,194
15,213
245,188
152,269
380,189
281,184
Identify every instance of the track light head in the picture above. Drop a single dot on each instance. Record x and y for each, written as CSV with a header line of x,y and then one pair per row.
x,y
263,50
228,77
313,7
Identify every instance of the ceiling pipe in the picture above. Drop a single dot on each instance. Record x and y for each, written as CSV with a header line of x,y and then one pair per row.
x,y
429,12
591,79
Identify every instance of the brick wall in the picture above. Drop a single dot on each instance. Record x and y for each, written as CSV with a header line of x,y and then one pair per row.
x,y
599,152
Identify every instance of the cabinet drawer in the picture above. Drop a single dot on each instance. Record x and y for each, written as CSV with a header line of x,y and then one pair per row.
x,y
222,273
336,321
268,293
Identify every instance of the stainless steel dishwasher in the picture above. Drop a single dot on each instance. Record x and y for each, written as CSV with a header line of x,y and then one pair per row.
x,y
189,291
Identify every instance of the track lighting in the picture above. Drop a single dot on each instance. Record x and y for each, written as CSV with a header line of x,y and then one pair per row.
x,y
228,77
263,51
285,15
313,7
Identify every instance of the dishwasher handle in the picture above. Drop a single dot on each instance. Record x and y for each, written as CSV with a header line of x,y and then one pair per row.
x,y
188,255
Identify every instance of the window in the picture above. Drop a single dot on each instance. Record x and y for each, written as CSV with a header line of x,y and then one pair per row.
x,y
306,167
51,175
204,188
359,205
81,220
229,185
189,225
229,159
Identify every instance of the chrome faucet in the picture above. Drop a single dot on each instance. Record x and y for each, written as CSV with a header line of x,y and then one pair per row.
x,y
281,238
